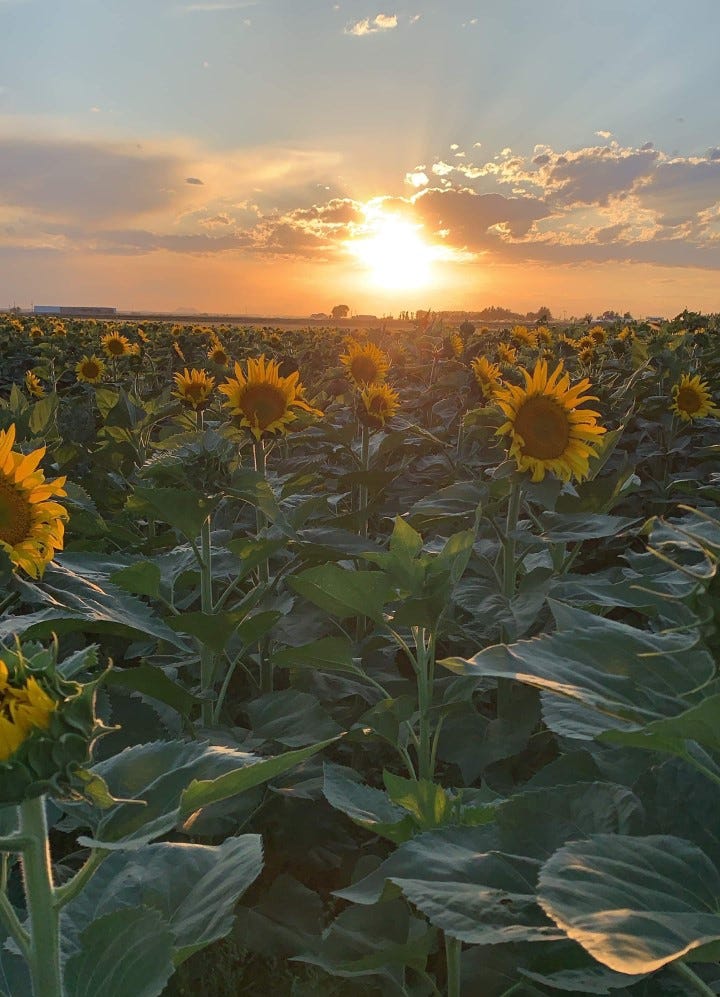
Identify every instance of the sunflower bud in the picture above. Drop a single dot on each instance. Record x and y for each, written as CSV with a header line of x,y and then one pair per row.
x,y
47,725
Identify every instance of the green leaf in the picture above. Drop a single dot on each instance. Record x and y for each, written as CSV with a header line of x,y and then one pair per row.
x,y
609,668
203,792
566,528
153,682
367,807
182,508
290,717
405,542
75,602
152,778
193,887
700,723
126,952
381,940
330,654
211,629
635,904
344,593
426,801
42,414
480,896
141,578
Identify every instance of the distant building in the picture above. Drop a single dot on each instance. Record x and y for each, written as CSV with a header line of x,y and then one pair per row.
x,y
77,311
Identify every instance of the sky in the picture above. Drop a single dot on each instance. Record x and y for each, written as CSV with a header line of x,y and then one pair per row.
x,y
279,157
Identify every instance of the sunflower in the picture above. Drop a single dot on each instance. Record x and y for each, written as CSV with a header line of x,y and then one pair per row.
x,y
457,346
116,345
523,336
22,708
31,527
33,385
548,430
544,336
585,343
692,398
624,334
380,404
36,332
598,335
263,399
487,375
90,369
193,388
366,364
178,350
507,353
217,355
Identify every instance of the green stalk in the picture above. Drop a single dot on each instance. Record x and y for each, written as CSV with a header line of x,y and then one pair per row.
x,y
65,893
513,511
425,656
365,464
207,657
267,678
44,953
453,951
509,578
691,978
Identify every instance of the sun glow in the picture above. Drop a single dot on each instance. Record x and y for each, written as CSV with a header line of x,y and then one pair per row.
x,y
394,251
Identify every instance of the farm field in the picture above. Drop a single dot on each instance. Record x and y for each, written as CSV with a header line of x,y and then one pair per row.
x,y
359,660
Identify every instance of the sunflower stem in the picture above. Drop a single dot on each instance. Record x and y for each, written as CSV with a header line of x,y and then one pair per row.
x,y
267,678
365,464
453,951
207,657
425,657
509,577
692,979
44,941
65,893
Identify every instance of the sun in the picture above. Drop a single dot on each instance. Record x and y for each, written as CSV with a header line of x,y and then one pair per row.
x,y
394,251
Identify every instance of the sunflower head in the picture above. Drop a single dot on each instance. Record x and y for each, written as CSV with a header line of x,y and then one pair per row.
x,y
547,428
544,336
378,404
365,364
624,334
46,725
33,385
193,388
457,346
524,336
90,369
692,399
598,335
506,353
36,332
116,345
262,399
217,354
487,375
31,524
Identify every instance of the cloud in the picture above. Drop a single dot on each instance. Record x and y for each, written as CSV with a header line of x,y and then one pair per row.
x,y
371,26
194,180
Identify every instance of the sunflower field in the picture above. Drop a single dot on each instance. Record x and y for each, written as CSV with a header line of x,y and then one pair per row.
x,y
343,661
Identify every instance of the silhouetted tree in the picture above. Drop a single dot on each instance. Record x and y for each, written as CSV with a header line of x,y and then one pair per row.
x,y
340,311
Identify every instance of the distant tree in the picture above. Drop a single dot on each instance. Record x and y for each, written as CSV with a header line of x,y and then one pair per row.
x,y
587,317
543,314
340,311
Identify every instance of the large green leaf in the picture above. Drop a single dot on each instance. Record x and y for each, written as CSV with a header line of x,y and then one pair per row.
x,y
331,654
634,903
182,508
344,593
291,717
700,723
623,677
74,601
126,952
203,792
153,682
367,807
193,887
480,896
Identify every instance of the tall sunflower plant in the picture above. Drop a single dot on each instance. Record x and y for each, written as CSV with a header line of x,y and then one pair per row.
x,y
97,918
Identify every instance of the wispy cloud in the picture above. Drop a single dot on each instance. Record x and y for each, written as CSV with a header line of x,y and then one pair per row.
x,y
372,25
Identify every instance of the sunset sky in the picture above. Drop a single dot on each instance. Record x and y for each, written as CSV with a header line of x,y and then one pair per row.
x,y
279,157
